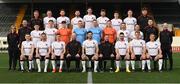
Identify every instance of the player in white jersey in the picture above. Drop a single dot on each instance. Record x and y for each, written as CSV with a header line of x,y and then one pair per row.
x,y
57,51
116,21
62,18
154,52
122,52
136,29
43,51
102,20
35,35
27,49
50,32
88,19
125,31
130,21
90,52
137,50
76,19
49,17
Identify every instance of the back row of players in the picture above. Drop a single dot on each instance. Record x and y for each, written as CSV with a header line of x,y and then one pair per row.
x,y
99,41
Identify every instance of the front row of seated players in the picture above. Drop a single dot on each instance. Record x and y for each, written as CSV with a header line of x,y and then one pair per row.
x,y
136,50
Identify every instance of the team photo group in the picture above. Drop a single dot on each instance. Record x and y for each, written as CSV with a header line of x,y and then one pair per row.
x,y
92,42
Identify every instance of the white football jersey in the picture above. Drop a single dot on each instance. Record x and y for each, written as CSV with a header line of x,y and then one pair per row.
x,y
137,46
116,24
88,19
74,22
153,47
27,47
51,34
60,19
133,36
90,47
43,47
36,36
126,34
122,46
130,23
58,47
102,22
46,20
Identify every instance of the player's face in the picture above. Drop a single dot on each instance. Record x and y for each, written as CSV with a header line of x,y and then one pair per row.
x,y
27,37
106,38
116,15
109,23
24,23
62,13
36,27
36,14
103,13
43,37
73,36
136,28
150,22
152,37
77,13
80,24
51,24
89,35
165,26
89,11
130,13
95,23
121,37
58,37
137,35
123,26
144,12
49,13
63,25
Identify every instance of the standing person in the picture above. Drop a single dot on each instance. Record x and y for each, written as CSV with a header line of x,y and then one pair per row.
x,y
50,31
47,18
61,18
137,50
166,39
80,32
27,49
13,41
154,53
122,52
57,50
36,20
64,32
76,19
130,21
116,21
90,52
125,31
143,19
106,52
97,32
151,29
43,51
73,49
136,29
88,19
102,20
110,31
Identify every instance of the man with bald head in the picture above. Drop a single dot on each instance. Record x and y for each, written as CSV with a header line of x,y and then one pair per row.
x,y
166,41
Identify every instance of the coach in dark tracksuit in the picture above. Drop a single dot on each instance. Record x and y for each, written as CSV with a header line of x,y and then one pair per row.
x,y
13,41
73,50
149,30
106,51
36,20
166,41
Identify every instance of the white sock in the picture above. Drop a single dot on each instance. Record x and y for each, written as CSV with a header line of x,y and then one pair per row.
x,y
133,64
38,64
46,64
160,62
143,64
127,65
22,65
83,65
148,64
117,64
95,65
30,65
53,64
61,64
33,64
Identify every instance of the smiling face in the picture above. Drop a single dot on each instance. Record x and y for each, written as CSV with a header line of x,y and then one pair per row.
x,y
28,37
49,13
89,11
152,37
129,12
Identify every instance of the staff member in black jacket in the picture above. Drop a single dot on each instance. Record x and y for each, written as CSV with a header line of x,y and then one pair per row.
x,y
166,41
73,50
13,41
107,51
36,20
150,29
